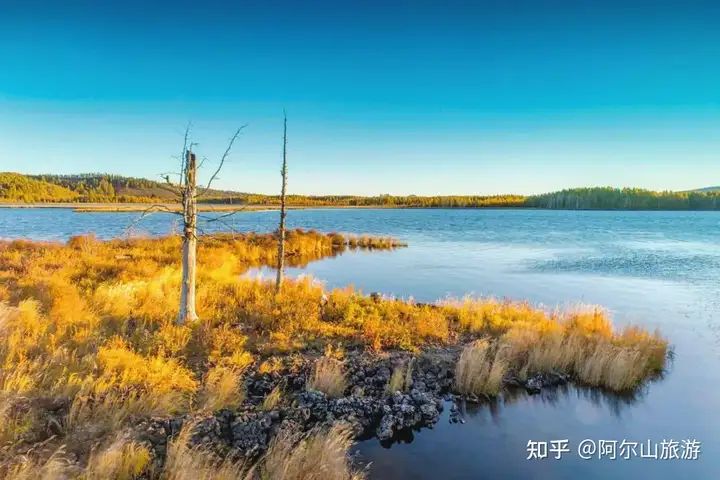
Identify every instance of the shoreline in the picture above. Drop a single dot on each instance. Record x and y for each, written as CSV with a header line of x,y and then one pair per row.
x,y
212,207
173,207
80,207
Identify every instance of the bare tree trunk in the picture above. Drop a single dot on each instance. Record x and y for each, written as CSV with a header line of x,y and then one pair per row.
x,y
283,213
189,259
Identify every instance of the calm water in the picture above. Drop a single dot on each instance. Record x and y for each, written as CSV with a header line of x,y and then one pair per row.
x,y
658,269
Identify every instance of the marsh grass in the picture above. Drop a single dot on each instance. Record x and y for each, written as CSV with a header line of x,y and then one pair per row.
x,y
56,467
328,376
123,459
401,377
185,462
320,455
480,369
91,324
222,389
583,343
272,399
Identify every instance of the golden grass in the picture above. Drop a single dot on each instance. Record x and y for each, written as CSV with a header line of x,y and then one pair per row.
x,y
322,455
91,323
123,459
272,399
480,370
194,463
328,377
584,344
223,389
56,467
319,454
401,378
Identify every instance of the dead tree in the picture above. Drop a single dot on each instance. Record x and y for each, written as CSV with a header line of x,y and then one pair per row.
x,y
188,192
283,213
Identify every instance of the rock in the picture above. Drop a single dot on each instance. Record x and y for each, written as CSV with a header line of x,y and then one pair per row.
x,y
536,383
251,433
247,431
384,431
533,385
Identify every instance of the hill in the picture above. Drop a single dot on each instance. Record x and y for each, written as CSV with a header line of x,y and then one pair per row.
x,y
707,189
15,187
102,187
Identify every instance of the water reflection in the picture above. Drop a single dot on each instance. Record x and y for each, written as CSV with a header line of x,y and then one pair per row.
x,y
495,410
555,397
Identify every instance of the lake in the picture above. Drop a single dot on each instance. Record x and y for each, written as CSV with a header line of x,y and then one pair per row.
x,y
657,269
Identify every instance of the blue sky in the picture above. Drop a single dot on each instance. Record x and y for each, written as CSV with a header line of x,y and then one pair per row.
x,y
382,97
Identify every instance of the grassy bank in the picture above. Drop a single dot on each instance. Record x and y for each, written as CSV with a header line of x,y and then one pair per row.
x,y
90,347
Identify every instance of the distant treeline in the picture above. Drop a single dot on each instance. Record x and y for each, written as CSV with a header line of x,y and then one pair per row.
x,y
107,188
606,198
407,201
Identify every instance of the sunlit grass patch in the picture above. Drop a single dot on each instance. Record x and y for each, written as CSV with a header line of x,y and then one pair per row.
x,y
222,389
25,467
273,398
584,343
320,455
123,459
185,462
480,369
401,377
328,376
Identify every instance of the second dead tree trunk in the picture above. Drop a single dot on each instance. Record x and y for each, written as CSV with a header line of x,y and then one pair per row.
x,y
283,213
189,241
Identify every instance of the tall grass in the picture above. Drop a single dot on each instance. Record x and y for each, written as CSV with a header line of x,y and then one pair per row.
x,y
328,377
319,456
401,377
123,459
223,389
185,462
480,369
56,467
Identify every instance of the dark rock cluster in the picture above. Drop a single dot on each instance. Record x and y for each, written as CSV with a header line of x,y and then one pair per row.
x,y
367,404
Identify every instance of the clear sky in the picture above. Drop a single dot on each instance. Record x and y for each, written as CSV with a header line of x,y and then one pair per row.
x,y
415,96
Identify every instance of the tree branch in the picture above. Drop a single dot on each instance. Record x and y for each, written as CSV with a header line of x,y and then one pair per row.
x,y
222,161
184,150
147,212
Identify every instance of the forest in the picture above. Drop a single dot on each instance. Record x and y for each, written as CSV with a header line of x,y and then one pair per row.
x,y
109,188
626,199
